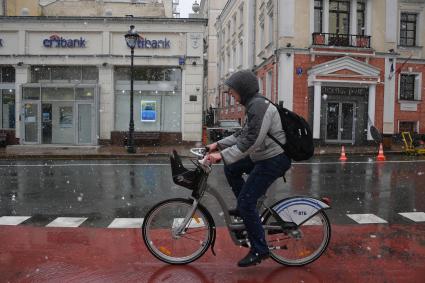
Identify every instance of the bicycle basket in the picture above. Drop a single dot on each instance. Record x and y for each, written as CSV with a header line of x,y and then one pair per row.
x,y
187,178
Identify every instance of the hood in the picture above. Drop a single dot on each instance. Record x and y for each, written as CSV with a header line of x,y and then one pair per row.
x,y
245,82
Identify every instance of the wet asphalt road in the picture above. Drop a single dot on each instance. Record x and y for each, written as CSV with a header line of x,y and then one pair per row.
x,y
102,190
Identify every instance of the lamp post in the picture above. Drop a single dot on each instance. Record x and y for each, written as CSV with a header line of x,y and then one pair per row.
x,y
131,38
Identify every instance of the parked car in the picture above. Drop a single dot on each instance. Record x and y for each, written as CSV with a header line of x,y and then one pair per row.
x,y
223,129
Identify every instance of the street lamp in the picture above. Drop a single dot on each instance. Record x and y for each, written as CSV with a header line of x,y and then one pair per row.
x,y
132,37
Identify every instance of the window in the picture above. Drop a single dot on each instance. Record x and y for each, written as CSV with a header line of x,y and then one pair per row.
x,y
234,23
407,87
262,36
318,14
157,98
270,23
407,126
240,53
408,29
7,74
269,85
241,15
234,57
7,110
339,16
260,85
361,8
64,73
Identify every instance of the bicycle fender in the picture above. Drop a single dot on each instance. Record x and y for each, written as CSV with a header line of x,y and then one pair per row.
x,y
298,209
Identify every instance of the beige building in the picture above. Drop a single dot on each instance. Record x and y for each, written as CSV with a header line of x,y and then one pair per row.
x,y
211,10
235,49
67,80
89,8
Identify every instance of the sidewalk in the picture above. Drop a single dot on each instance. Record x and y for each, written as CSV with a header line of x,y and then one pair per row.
x,y
116,152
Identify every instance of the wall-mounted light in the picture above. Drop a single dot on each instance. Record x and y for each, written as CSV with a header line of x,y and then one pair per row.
x,y
104,64
288,45
20,63
288,54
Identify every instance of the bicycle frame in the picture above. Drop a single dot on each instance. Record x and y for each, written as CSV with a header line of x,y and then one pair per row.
x,y
289,212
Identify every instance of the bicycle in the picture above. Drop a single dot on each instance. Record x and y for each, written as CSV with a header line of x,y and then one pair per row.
x,y
179,231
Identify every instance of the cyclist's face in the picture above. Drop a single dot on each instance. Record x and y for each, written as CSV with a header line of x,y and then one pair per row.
x,y
235,94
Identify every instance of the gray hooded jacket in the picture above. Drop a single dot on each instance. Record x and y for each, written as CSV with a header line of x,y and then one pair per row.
x,y
261,118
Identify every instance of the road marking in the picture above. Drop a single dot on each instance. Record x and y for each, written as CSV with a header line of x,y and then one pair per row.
x,y
414,216
13,220
189,164
192,224
366,218
126,223
67,222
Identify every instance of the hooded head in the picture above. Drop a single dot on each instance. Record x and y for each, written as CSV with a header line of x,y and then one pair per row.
x,y
245,83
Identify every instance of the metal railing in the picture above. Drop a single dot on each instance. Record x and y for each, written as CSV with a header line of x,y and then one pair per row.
x,y
344,40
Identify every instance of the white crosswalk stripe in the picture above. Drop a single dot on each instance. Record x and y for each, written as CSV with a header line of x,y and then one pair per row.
x,y
126,223
67,222
414,216
13,220
366,218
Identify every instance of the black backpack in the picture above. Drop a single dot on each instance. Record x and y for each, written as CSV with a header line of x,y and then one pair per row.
x,y
299,139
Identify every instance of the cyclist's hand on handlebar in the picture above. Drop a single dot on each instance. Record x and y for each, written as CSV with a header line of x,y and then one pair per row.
x,y
214,157
211,147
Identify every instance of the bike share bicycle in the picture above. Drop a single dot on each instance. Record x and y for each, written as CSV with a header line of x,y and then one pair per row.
x,y
179,231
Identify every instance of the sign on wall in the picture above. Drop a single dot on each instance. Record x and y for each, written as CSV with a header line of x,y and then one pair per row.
x,y
59,42
148,111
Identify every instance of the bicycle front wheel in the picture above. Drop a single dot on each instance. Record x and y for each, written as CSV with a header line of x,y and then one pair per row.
x,y
185,247
299,245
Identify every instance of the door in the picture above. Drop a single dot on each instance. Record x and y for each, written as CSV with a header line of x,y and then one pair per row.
x,y
85,123
46,123
31,123
340,122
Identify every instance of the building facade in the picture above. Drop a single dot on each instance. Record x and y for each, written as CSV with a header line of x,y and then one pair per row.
x,y
89,8
211,10
345,64
67,80
235,50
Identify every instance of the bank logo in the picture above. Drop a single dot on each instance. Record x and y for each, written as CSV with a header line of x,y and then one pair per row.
x,y
144,42
56,41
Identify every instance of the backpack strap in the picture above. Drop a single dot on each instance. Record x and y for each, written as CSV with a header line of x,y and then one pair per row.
x,y
275,140
268,134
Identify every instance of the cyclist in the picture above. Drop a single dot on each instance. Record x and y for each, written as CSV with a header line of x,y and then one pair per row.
x,y
252,152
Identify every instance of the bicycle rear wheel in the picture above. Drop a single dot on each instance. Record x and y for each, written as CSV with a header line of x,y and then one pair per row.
x,y
299,245
191,244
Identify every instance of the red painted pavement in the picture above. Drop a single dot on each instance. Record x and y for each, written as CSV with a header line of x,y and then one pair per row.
x,y
369,253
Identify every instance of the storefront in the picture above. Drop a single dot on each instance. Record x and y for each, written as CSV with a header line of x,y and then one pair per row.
x,y
342,98
71,80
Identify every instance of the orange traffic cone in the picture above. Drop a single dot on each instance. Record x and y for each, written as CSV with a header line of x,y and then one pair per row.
x,y
343,157
381,156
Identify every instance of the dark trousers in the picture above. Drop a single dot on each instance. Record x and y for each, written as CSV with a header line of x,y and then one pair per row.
x,y
261,175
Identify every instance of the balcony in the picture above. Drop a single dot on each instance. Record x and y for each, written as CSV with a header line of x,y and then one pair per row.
x,y
342,40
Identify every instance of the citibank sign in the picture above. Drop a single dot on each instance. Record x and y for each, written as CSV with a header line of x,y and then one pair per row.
x,y
144,42
59,42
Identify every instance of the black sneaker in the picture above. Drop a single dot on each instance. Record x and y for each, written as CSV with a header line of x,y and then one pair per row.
x,y
252,259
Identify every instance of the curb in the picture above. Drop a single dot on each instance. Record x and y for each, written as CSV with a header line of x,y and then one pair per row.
x,y
147,155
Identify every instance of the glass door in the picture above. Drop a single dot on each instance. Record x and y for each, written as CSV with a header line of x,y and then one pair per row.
x,y
31,123
340,122
85,123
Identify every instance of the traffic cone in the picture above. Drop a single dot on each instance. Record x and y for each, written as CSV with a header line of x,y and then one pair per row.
x,y
343,157
381,156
